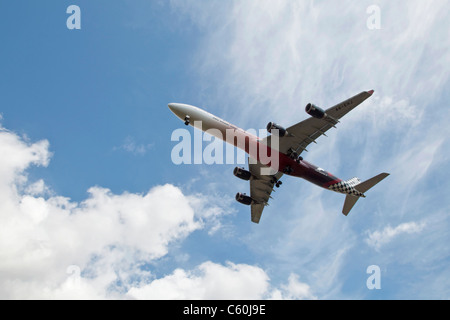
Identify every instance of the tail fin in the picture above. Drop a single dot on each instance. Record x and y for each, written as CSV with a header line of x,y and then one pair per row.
x,y
362,187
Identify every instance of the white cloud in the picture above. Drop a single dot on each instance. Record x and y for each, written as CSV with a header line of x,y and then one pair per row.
x,y
385,113
17,156
54,248
412,165
377,239
208,281
277,56
107,235
37,188
131,146
312,241
214,281
294,290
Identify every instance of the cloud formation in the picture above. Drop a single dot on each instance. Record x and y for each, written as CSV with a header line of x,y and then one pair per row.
x,y
130,145
106,234
208,281
54,248
280,55
377,239
214,281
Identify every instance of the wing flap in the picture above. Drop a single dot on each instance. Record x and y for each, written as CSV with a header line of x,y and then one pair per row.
x,y
261,188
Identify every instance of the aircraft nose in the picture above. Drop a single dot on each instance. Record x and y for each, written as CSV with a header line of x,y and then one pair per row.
x,y
175,108
178,109
172,106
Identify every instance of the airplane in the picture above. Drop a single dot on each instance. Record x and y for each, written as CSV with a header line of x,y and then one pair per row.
x,y
285,145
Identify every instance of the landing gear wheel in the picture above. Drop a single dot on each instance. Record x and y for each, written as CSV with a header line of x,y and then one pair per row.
x,y
187,120
287,170
299,159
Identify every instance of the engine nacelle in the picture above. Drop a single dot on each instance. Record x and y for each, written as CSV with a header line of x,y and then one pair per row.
x,y
315,111
241,173
281,131
244,199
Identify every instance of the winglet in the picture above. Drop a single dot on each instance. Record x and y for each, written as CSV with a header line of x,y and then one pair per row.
x,y
370,92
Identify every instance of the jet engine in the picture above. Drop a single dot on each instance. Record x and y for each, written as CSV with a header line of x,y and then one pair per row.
x,y
281,131
315,111
241,173
243,198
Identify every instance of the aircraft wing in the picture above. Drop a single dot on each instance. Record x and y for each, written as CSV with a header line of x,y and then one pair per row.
x,y
261,187
306,132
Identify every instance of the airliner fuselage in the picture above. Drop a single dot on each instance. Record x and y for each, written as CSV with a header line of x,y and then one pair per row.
x,y
208,122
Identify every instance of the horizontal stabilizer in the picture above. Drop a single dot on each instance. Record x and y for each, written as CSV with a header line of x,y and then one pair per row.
x,y
366,185
349,203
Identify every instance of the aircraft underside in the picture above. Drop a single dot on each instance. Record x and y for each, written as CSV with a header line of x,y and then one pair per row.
x,y
279,153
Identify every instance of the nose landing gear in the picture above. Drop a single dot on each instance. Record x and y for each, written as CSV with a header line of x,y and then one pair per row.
x,y
187,120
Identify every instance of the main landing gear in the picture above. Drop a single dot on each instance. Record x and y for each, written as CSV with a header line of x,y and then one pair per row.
x,y
288,170
294,155
277,183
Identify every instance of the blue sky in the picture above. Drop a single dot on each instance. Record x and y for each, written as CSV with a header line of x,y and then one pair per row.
x,y
87,178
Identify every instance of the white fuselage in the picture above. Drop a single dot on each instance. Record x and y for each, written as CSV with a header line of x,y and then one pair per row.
x,y
216,126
